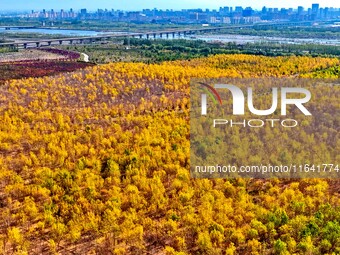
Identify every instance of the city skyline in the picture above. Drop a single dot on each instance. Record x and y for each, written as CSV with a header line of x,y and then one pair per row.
x,y
129,5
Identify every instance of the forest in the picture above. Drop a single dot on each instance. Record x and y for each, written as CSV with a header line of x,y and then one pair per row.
x,y
97,161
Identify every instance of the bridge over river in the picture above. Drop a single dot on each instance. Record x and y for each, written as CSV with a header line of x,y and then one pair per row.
x,y
91,39
150,34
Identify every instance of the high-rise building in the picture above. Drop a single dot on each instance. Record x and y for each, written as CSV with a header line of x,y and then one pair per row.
x,y
309,11
326,12
315,11
248,12
315,8
238,9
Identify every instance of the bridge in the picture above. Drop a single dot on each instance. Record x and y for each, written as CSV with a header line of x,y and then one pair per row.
x,y
91,39
148,35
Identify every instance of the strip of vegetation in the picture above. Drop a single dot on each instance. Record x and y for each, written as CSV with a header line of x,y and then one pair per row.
x,y
155,51
7,49
300,32
35,36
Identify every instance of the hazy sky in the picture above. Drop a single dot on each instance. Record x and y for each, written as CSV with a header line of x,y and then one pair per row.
x,y
164,4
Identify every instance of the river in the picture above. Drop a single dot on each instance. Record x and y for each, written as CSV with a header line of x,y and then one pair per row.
x,y
243,39
239,39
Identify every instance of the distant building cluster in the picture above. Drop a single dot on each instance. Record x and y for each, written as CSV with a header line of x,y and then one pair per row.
x,y
224,15
62,14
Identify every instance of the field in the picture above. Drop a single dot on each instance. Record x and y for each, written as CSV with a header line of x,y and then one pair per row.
x,y
37,69
29,55
38,63
97,162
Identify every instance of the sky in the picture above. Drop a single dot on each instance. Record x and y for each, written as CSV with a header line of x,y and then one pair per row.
x,y
160,4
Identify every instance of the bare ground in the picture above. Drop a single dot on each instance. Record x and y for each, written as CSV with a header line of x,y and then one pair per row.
x,y
27,55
